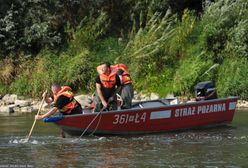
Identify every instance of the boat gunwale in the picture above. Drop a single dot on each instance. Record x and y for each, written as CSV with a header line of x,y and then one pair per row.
x,y
151,108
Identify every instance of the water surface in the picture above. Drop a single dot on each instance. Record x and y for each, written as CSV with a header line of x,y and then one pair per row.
x,y
216,147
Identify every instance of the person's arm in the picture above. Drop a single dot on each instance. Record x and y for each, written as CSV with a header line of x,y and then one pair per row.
x,y
49,113
99,69
47,99
117,90
99,92
59,104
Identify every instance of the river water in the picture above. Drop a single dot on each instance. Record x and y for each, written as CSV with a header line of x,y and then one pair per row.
x,y
211,148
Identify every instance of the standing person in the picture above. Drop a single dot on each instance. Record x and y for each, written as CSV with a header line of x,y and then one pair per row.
x,y
126,82
107,85
64,102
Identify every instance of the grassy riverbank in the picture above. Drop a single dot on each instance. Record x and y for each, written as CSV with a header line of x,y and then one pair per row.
x,y
166,52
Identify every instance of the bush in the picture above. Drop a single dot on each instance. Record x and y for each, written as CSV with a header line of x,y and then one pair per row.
x,y
165,52
232,78
7,71
191,71
85,34
237,45
64,69
75,67
219,21
27,27
146,52
155,51
108,49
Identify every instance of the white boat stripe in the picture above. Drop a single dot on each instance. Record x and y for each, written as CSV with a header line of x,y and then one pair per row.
x,y
160,114
232,105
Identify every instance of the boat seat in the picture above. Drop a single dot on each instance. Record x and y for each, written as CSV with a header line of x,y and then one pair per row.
x,y
148,104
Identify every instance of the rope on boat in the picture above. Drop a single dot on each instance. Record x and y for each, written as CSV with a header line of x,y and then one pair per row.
x,y
97,125
119,98
86,129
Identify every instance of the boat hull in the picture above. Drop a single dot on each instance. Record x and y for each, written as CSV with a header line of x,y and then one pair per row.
x,y
151,119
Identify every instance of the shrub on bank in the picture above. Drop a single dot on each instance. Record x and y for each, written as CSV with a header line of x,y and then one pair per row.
x,y
232,78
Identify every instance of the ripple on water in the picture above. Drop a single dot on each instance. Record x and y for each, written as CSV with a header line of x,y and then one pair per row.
x,y
33,140
186,138
25,141
50,140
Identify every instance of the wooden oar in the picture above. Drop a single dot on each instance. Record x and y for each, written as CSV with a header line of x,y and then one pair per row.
x,y
31,130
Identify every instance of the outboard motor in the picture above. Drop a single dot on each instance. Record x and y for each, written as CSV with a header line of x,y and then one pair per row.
x,y
205,91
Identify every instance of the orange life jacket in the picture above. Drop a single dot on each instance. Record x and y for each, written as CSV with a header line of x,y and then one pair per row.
x,y
67,92
108,81
125,76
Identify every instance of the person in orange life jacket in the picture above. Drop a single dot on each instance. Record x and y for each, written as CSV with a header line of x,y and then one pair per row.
x,y
126,92
107,85
64,102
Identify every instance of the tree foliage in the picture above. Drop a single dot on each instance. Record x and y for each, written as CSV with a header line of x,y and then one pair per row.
x,y
168,45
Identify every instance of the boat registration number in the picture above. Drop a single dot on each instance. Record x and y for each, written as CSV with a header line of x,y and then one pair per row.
x,y
129,118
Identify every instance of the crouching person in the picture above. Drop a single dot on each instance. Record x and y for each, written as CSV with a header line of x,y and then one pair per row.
x,y
127,87
107,85
126,91
64,101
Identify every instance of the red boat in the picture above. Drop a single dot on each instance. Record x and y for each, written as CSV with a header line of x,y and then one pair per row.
x,y
154,116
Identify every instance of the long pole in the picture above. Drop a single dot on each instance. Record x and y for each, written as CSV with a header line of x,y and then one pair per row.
x,y
31,130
